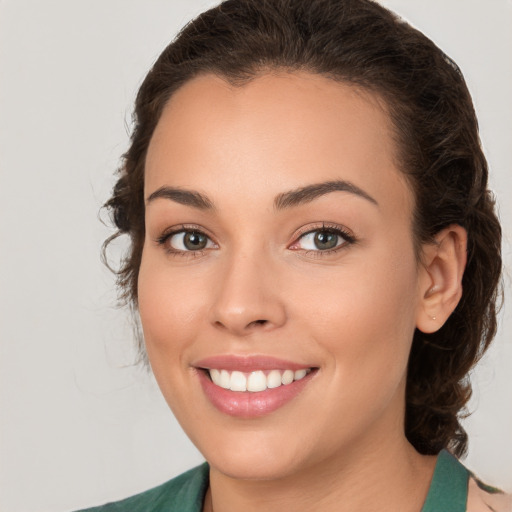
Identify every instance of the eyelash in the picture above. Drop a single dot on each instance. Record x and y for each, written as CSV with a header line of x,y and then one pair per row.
x,y
348,239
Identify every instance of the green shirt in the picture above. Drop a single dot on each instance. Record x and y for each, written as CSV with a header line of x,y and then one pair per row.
x,y
448,491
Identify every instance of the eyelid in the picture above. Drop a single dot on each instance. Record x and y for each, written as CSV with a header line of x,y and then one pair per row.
x,y
319,226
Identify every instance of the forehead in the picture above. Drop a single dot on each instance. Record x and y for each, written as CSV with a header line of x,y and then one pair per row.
x,y
284,129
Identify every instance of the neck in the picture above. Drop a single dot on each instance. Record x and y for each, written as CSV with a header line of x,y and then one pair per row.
x,y
383,477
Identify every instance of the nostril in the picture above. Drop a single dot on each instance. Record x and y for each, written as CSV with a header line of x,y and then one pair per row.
x,y
258,322
255,322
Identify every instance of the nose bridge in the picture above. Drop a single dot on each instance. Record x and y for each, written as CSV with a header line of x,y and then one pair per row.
x,y
247,297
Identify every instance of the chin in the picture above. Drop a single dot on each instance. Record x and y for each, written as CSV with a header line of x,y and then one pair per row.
x,y
253,455
242,467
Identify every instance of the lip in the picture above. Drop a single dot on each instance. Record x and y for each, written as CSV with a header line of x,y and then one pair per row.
x,y
248,363
250,404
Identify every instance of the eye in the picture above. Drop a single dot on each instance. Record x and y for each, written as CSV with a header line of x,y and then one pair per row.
x,y
186,240
320,240
189,241
324,239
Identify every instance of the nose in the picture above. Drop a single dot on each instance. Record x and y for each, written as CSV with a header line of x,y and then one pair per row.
x,y
248,298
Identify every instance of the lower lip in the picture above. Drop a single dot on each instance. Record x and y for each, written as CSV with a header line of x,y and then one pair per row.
x,y
251,405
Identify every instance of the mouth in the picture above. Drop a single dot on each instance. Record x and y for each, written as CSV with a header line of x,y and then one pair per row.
x,y
251,387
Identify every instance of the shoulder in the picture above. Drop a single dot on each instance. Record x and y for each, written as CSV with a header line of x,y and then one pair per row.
x,y
455,488
185,493
482,498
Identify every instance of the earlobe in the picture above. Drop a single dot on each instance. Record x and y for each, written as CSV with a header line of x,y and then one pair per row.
x,y
443,264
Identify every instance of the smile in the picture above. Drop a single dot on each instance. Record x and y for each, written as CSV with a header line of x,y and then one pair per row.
x,y
256,381
250,387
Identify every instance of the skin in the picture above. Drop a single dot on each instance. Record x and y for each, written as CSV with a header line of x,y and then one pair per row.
x,y
260,289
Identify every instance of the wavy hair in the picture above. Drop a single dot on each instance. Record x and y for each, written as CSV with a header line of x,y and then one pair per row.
x,y
436,131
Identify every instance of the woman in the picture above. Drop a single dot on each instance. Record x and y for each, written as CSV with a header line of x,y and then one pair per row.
x,y
315,259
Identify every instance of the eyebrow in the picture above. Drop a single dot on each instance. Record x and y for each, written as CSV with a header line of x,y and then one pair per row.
x,y
310,192
282,201
185,197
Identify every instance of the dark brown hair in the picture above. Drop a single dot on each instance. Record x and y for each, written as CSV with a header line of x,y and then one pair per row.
x,y
357,42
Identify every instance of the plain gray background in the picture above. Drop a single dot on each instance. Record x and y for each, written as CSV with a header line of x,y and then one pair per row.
x,y
79,424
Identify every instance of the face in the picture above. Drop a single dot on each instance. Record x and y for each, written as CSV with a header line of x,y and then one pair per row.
x,y
278,289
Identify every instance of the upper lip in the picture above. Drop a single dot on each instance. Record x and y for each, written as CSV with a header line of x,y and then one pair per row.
x,y
233,362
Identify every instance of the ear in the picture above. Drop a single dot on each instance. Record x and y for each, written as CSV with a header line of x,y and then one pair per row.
x,y
440,281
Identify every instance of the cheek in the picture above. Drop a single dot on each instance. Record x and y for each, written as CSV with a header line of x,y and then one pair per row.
x,y
168,307
364,313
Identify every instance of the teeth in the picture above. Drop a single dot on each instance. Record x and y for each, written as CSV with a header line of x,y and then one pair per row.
x,y
255,381
274,379
224,379
287,377
215,376
238,382
300,374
